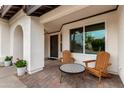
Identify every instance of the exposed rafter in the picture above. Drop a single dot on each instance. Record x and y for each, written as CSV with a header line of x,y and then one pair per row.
x,y
8,11
5,10
33,9
43,9
47,6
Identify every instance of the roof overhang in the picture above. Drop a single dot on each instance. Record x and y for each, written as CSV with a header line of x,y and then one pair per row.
x,y
61,18
8,11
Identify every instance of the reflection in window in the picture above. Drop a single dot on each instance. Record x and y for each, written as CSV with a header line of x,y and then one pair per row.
x,y
95,38
76,40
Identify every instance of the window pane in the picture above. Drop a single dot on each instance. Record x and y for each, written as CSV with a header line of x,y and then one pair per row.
x,y
95,38
76,40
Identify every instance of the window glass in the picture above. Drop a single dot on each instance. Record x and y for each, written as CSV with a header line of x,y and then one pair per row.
x,y
95,38
76,40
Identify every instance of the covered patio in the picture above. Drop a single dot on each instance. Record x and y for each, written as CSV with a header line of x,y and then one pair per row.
x,y
50,78
40,33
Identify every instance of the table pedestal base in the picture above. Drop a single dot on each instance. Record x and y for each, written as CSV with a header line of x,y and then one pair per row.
x,y
75,76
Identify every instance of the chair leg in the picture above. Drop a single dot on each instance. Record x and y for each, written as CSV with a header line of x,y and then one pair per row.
x,y
99,83
83,76
100,79
61,78
86,73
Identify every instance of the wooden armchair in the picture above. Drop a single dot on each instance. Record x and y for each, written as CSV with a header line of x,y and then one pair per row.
x,y
67,57
102,63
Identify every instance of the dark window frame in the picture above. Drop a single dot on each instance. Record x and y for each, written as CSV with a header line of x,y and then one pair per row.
x,y
81,28
83,32
101,26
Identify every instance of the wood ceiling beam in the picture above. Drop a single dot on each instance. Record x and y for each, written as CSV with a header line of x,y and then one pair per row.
x,y
17,7
11,11
5,10
47,6
38,12
8,15
33,9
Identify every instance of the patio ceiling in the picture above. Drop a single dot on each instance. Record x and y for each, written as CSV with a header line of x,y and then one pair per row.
x,y
38,10
56,25
8,11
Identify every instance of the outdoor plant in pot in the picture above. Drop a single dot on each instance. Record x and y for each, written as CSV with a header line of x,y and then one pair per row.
x,y
8,60
21,66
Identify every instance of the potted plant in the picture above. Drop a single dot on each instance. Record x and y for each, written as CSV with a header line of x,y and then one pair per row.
x,y
8,60
21,66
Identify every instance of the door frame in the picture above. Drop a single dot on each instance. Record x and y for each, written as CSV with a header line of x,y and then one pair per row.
x,y
58,45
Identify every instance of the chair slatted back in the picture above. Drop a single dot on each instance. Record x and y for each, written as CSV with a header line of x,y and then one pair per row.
x,y
102,61
67,57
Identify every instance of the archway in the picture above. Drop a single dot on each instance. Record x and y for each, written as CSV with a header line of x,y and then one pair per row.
x,y
18,43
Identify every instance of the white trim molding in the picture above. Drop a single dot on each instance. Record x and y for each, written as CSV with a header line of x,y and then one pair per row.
x,y
36,70
60,12
3,20
17,16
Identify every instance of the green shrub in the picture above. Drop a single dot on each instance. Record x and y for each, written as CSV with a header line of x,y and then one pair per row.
x,y
8,58
98,45
21,63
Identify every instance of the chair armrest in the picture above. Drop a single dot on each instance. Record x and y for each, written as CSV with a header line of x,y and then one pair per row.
x,y
60,59
73,59
88,61
109,64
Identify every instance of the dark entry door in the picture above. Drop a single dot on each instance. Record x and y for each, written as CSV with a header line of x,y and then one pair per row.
x,y
54,46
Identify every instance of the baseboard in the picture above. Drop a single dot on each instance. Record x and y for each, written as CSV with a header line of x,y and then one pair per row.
x,y
121,75
115,73
46,58
34,71
52,58
1,64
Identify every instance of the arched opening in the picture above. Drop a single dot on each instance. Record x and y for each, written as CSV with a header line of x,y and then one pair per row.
x,y
18,43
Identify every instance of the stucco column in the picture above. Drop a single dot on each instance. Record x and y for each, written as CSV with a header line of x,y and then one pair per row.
x,y
33,41
23,22
37,46
4,38
0,40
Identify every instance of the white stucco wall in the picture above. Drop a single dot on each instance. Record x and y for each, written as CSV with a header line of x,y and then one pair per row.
x,y
23,37
33,40
37,45
121,42
0,39
20,19
4,38
18,43
47,46
110,20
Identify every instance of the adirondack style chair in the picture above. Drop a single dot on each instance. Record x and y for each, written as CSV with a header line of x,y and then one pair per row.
x,y
67,57
102,63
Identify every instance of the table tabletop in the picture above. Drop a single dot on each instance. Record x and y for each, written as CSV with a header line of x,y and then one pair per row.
x,y
72,68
